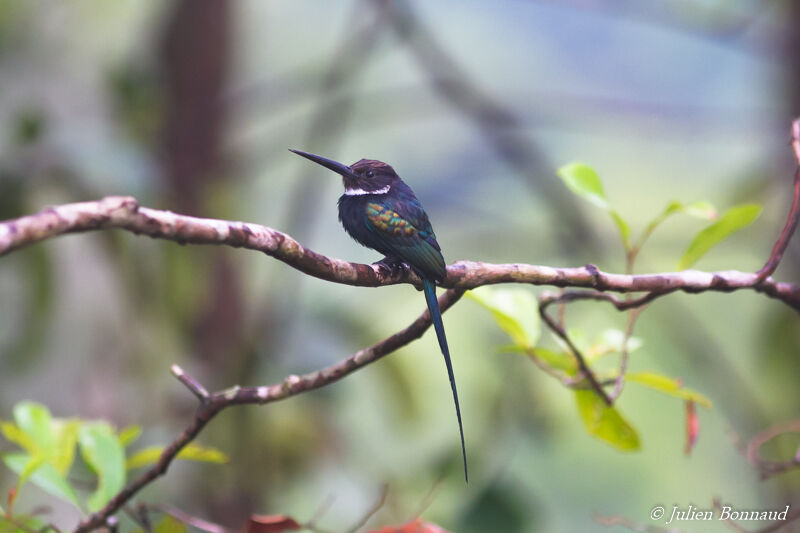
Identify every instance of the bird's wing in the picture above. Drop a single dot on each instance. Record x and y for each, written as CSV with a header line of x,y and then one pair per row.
x,y
404,229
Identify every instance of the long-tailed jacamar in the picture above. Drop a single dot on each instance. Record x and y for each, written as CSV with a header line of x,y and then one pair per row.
x,y
381,212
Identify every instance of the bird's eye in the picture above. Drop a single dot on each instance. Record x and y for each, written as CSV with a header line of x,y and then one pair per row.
x,y
370,174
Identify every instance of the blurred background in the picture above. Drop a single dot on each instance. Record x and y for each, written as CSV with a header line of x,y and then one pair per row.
x,y
190,105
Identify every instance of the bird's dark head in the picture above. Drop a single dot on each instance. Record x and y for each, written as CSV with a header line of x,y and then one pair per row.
x,y
366,176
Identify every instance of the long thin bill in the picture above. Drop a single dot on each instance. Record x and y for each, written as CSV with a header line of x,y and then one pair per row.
x,y
330,164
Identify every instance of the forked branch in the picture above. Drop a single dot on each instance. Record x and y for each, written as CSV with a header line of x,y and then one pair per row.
x,y
212,404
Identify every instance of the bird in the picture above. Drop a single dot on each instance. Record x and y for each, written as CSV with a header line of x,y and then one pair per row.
x,y
379,211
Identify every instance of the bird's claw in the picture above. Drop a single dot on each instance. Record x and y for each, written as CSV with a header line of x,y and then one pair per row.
x,y
389,266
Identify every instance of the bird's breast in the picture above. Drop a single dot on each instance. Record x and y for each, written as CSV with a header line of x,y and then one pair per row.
x,y
351,215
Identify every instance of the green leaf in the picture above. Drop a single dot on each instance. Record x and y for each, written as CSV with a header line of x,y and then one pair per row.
x,y
129,435
169,524
14,434
672,208
6,526
584,181
702,209
578,337
47,441
66,437
605,422
20,523
611,341
623,227
733,220
33,464
192,452
511,348
45,477
101,449
514,310
558,360
144,457
35,420
670,386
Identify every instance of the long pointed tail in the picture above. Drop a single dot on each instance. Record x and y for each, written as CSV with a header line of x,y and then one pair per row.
x,y
436,315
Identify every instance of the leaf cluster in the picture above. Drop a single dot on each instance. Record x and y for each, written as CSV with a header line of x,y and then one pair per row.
x,y
49,448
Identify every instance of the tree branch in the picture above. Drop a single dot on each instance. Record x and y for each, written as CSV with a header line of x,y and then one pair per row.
x,y
212,404
124,213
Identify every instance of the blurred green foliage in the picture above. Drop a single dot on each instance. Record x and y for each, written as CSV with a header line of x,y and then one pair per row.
x,y
584,181
48,454
515,312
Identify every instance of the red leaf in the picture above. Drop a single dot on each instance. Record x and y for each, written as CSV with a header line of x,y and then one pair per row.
x,y
274,523
415,526
692,427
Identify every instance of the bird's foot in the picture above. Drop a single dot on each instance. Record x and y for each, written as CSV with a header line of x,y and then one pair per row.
x,y
389,266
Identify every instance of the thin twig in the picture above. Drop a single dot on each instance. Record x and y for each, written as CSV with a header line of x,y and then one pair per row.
x,y
561,376
791,220
372,510
558,330
196,388
562,297
323,508
771,468
625,352
139,515
428,499
786,234
619,303
562,310
290,386
186,518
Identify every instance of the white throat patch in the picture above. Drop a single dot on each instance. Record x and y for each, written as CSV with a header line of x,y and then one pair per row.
x,y
360,192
